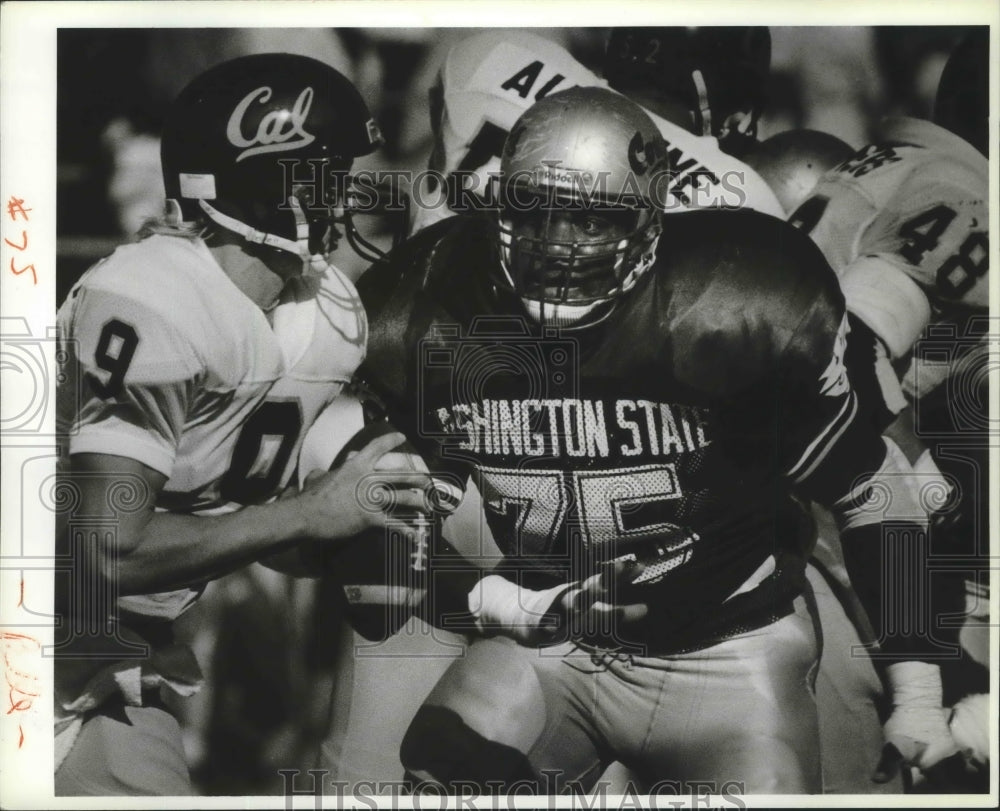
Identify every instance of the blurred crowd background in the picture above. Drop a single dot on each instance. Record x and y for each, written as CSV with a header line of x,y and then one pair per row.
x,y
265,641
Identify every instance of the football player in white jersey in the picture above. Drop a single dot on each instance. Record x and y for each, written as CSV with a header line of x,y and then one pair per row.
x,y
489,79
904,223
196,360
848,690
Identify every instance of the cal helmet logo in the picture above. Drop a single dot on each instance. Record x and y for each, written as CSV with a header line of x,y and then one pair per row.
x,y
277,130
834,377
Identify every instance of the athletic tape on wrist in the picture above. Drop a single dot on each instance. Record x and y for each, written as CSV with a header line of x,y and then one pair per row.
x,y
498,602
915,684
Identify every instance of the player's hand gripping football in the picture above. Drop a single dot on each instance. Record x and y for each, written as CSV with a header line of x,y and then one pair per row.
x,y
584,609
360,493
917,733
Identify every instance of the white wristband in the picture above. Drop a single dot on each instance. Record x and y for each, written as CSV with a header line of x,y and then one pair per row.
x,y
915,684
496,602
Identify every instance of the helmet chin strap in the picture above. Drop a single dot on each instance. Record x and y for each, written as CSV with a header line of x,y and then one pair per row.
x,y
558,315
312,264
249,233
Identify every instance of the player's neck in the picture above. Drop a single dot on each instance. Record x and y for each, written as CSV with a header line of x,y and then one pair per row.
x,y
259,278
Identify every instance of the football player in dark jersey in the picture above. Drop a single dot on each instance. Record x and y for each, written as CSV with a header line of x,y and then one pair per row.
x,y
484,84
639,399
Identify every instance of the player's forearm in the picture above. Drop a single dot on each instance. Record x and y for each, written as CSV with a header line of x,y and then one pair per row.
x,y
884,527
177,550
867,555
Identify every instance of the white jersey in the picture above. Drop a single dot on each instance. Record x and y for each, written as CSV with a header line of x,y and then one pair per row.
x,y
173,366
904,223
488,80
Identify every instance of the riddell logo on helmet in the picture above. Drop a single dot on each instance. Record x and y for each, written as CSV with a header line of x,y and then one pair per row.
x,y
551,172
277,131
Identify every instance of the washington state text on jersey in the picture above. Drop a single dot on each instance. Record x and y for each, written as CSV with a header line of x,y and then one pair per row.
x,y
554,427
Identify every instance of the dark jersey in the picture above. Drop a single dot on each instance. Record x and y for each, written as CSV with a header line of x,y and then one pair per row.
x,y
673,433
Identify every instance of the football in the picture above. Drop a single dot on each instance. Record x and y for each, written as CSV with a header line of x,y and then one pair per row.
x,y
403,456
383,572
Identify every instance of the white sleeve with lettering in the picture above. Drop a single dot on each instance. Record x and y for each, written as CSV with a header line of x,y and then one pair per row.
x,y
490,79
486,82
703,176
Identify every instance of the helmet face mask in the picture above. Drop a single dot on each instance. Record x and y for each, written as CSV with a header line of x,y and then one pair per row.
x,y
262,145
332,218
580,213
566,263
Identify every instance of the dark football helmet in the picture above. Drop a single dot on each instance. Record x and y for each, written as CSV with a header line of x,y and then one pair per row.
x,y
963,103
792,162
717,75
583,177
262,146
